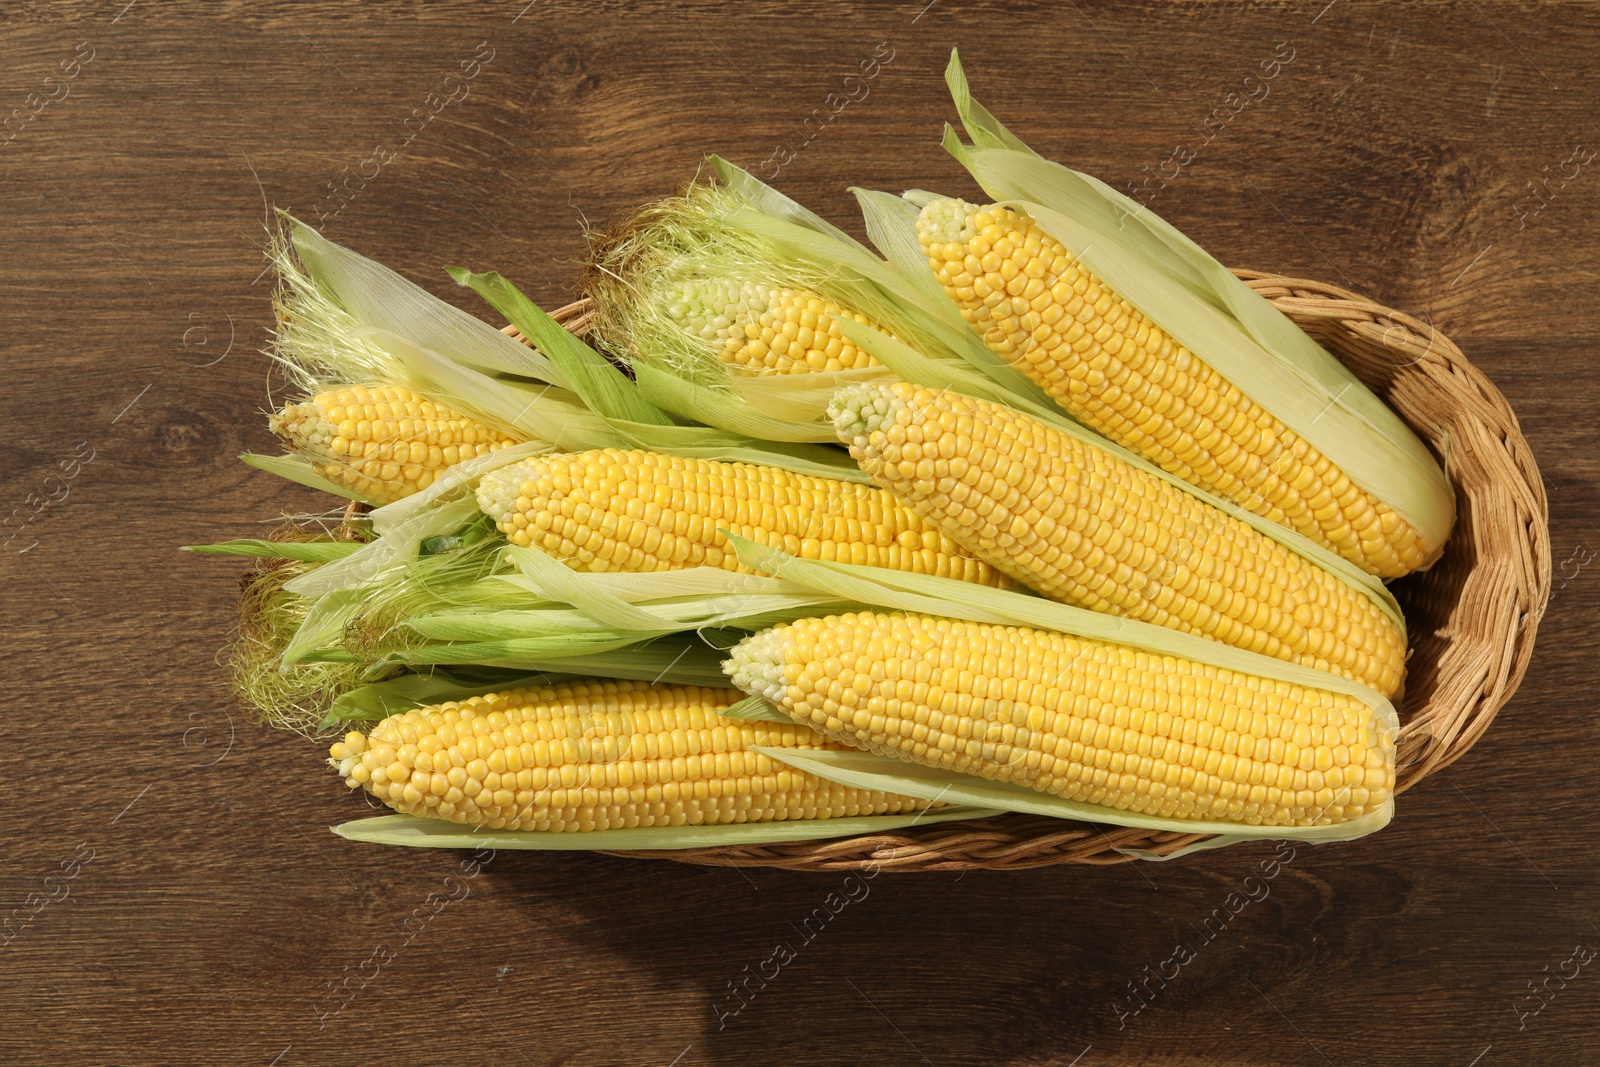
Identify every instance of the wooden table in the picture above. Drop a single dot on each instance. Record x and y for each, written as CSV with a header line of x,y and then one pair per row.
x,y
1435,158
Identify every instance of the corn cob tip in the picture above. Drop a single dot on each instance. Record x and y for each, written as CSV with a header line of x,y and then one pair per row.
x,y
862,409
498,490
716,310
946,221
345,757
296,426
755,664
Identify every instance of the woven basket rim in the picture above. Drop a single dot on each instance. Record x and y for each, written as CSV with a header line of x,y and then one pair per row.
x,y
1459,413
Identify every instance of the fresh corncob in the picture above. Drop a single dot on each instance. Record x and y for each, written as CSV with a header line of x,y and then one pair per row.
x,y
1112,368
767,329
382,441
611,510
1077,718
591,755
1081,526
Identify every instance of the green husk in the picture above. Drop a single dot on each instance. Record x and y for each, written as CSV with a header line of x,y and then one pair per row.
x,y
868,770
301,551
1203,306
347,289
415,832
378,700
701,442
603,388
311,663
677,659
301,470
756,709
346,320
469,602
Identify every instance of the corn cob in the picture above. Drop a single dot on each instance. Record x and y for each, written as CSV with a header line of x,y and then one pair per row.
x,y
1081,526
1116,371
592,755
1077,718
641,511
767,329
382,441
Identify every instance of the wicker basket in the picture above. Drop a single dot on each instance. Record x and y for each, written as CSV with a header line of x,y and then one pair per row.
x,y
1471,617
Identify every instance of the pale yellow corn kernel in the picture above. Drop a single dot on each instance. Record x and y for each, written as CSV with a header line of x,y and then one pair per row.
x,y
1082,526
382,441
1116,371
768,329
1058,738
630,754
638,511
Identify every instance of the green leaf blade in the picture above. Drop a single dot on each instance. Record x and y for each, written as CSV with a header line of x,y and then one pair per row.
x,y
603,388
413,832
867,770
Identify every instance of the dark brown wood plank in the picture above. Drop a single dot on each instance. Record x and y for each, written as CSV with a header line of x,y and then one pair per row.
x,y
211,911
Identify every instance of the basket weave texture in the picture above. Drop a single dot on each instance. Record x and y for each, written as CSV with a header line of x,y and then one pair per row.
x,y
1471,617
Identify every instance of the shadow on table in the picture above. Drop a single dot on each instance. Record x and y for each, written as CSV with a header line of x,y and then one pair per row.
x,y
954,967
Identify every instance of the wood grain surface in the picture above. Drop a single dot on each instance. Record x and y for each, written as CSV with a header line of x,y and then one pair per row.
x,y
172,890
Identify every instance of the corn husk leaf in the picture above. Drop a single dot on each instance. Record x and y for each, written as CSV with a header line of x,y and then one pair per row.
x,y
379,700
304,551
376,296
302,471
324,625
760,196
532,412
677,658
868,770
560,582
801,398
733,446
756,709
415,832
717,403
457,601
603,388
692,583
1203,306
379,557
441,509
